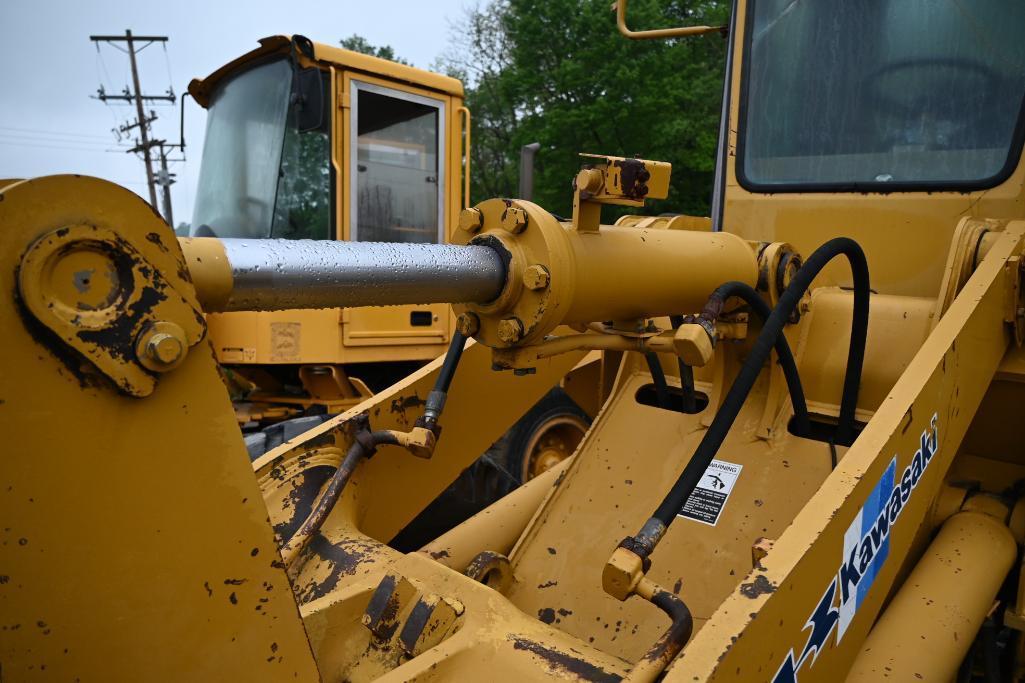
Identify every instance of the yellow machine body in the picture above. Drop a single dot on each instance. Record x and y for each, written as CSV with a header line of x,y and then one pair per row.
x,y
138,539
329,341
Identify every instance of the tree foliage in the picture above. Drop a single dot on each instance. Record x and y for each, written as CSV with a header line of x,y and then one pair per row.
x,y
558,72
358,43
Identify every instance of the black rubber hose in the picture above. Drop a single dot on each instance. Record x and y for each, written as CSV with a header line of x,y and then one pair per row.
x,y
690,401
448,366
436,398
748,375
658,377
747,293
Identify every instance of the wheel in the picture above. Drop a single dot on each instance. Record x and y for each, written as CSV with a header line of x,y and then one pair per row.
x,y
544,437
547,434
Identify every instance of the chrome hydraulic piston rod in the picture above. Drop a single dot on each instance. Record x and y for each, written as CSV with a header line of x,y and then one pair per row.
x,y
277,274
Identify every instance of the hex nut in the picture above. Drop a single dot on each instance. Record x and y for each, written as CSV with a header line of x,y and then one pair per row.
x,y
510,330
514,219
536,277
468,324
471,220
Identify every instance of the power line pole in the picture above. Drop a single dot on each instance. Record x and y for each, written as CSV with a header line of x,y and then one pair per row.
x,y
165,179
144,144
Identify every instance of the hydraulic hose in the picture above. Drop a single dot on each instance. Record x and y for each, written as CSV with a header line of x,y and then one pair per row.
x,y
655,527
713,309
364,445
436,398
658,377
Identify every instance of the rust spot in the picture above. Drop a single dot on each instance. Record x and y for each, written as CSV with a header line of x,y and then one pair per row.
x,y
547,615
342,559
561,663
399,405
548,584
677,586
551,551
383,608
439,554
155,239
233,598
305,486
760,586
633,176
209,590
234,582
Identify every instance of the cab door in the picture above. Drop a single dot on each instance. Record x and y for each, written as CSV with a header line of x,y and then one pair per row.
x,y
395,192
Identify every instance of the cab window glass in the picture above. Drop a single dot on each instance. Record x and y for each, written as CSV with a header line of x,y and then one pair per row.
x,y
877,92
397,169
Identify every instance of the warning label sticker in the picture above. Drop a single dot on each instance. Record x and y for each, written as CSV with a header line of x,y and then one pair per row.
x,y
709,497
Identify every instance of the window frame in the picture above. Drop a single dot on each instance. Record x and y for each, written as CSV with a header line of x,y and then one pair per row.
x,y
355,87
878,187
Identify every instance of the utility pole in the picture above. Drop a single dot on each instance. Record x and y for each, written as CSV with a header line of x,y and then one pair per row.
x,y
144,144
165,179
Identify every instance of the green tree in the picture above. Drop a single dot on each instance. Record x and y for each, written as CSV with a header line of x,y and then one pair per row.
x,y
358,43
558,72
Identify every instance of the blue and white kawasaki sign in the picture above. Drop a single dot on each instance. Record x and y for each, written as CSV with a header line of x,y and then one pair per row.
x,y
866,548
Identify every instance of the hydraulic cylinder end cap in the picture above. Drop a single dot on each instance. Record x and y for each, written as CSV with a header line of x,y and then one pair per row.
x,y
535,250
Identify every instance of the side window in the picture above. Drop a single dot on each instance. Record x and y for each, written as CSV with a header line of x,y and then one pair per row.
x,y
397,166
302,207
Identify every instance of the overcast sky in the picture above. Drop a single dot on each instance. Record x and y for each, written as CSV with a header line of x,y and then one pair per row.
x,y
49,124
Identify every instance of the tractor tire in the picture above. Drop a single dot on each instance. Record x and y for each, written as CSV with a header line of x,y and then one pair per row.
x,y
502,467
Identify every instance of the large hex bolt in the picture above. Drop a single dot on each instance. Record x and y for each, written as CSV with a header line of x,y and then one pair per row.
x,y
471,220
514,220
161,346
536,277
468,324
510,330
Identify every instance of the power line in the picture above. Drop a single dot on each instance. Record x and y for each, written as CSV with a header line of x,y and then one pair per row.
x,y
54,132
62,147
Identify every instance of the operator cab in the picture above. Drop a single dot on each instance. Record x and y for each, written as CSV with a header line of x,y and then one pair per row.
x,y
267,169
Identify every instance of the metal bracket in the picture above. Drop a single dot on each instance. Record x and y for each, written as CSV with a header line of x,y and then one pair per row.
x,y
100,294
616,180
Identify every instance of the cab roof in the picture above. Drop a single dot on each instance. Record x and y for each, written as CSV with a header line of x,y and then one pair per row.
x,y
328,55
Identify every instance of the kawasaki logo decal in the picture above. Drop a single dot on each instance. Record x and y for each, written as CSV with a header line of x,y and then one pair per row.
x,y
866,547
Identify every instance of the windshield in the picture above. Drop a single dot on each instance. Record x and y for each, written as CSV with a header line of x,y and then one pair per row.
x,y
879,94
266,171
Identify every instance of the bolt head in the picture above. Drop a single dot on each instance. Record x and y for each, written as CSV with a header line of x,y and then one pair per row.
x,y
510,330
164,348
161,347
514,220
471,220
536,277
468,324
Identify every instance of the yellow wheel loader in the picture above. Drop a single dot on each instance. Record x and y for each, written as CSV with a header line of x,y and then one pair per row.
x,y
307,141
807,464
